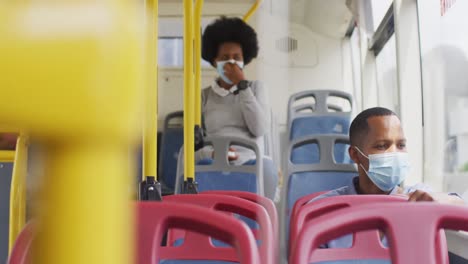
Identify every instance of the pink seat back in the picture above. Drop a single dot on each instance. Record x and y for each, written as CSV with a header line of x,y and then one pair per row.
x,y
229,204
267,204
369,240
295,210
253,197
303,201
154,218
20,254
411,230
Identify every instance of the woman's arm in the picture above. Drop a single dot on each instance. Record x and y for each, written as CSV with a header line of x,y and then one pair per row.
x,y
255,109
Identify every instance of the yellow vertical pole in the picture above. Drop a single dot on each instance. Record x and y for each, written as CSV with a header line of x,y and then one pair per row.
x,y
252,10
76,68
150,126
18,190
197,57
189,137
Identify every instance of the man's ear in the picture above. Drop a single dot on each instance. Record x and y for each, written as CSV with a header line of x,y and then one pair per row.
x,y
353,154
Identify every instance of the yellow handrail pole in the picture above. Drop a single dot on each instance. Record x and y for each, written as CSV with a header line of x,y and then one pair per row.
x,y
7,155
18,191
252,10
189,137
79,80
197,56
150,126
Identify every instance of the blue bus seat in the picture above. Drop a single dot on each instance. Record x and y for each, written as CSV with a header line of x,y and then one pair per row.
x,y
219,174
324,173
171,141
6,173
323,118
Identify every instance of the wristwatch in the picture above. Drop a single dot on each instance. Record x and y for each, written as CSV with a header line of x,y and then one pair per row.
x,y
242,85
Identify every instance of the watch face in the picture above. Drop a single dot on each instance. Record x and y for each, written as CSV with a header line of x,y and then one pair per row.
x,y
243,85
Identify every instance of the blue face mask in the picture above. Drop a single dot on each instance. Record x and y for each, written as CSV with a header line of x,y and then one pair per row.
x,y
387,170
220,68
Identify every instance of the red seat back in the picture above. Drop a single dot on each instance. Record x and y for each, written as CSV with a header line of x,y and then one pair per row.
x,y
303,201
20,254
267,204
295,210
411,230
228,204
154,218
362,241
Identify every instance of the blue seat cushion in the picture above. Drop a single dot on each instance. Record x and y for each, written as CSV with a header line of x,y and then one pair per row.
x,y
310,154
304,183
172,141
230,181
314,125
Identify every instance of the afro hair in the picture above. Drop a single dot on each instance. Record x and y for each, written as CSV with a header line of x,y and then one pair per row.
x,y
225,30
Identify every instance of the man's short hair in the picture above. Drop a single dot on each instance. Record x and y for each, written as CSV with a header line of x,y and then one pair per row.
x,y
231,29
359,127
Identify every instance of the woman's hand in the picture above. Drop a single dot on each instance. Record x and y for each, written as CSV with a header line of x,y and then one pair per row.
x,y
234,73
232,154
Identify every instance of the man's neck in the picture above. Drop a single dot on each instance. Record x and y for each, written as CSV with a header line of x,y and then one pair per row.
x,y
367,187
224,84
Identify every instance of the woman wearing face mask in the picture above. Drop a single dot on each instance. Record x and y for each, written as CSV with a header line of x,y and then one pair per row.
x,y
234,105
378,147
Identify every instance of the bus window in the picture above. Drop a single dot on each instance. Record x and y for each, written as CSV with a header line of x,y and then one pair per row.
x,y
444,52
387,76
379,9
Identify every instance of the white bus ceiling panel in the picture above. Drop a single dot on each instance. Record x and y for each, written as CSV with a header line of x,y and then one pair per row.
x,y
444,51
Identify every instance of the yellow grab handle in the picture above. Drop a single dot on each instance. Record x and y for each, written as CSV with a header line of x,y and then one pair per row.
x,y
252,10
76,67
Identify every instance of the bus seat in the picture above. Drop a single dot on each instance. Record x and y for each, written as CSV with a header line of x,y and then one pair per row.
x,y
20,253
220,175
328,174
411,231
171,141
6,173
368,239
363,240
301,202
247,209
267,204
319,120
154,218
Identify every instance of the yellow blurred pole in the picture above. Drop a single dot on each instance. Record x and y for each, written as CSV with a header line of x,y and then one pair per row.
x,y
7,155
72,78
197,56
252,10
189,124
150,126
18,191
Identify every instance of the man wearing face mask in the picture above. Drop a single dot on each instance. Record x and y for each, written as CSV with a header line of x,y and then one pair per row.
x,y
234,105
378,147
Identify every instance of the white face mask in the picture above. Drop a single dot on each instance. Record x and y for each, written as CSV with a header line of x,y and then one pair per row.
x,y
387,170
220,68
